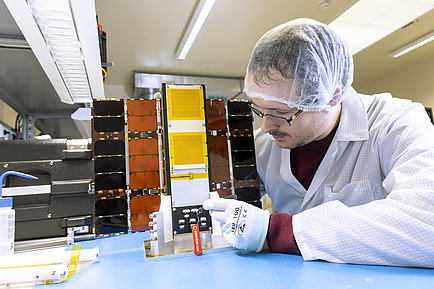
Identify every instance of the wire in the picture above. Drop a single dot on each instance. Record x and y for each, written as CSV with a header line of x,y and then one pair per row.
x,y
104,74
19,127
16,126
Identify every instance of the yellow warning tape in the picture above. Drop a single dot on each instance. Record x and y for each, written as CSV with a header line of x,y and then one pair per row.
x,y
72,267
75,255
189,176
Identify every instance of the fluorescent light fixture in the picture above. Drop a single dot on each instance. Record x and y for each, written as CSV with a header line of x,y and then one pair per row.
x,y
63,36
368,21
198,21
413,45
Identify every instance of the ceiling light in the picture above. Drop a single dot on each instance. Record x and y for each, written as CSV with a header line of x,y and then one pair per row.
x,y
413,45
368,21
198,21
63,36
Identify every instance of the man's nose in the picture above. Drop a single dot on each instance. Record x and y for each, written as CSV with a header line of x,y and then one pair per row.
x,y
268,124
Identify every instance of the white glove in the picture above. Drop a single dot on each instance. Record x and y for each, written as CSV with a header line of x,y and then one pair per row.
x,y
244,226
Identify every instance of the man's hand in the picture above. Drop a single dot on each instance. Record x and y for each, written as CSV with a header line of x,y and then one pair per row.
x,y
244,226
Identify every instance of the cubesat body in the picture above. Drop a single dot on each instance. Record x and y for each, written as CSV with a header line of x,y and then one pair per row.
x,y
165,156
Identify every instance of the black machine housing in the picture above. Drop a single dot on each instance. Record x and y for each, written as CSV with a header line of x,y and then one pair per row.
x,y
65,173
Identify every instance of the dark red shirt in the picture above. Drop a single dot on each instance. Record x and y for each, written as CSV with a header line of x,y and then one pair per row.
x,y
305,160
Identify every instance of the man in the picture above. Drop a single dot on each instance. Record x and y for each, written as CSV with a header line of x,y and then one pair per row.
x,y
351,176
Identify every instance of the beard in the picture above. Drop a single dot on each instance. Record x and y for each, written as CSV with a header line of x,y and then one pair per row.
x,y
291,140
315,128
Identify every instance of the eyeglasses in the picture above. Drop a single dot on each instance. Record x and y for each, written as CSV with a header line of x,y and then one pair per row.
x,y
279,120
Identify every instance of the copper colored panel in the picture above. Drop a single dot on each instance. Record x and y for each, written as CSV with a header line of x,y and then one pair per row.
x,y
224,193
219,159
218,143
141,207
220,174
144,180
216,114
215,107
140,222
145,204
142,163
141,107
216,123
142,123
143,146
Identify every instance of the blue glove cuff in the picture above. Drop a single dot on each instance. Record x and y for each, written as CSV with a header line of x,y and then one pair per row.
x,y
259,230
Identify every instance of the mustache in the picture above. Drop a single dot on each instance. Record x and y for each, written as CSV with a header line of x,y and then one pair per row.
x,y
277,133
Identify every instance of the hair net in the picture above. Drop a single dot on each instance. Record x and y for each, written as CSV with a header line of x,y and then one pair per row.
x,y
302,63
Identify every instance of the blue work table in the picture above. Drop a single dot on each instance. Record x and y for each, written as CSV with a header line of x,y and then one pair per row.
x,y
123,265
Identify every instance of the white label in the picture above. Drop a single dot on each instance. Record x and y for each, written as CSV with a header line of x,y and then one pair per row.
x,y
7,223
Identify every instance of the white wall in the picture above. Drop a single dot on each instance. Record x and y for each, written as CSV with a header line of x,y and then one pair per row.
x,y
415,83
118,91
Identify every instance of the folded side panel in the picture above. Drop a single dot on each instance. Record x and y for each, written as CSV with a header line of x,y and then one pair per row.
x,y
144,161
244,173
218,147
108,143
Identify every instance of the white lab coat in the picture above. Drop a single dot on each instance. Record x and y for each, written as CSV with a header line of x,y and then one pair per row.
x,y
371,200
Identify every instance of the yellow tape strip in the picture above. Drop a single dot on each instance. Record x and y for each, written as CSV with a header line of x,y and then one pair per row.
x,y
189,176
75,255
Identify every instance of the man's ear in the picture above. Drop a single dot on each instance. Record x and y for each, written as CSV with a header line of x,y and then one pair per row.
x,y
336,96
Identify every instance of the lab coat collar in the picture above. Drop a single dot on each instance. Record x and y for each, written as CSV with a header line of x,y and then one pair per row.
x,y
353,125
